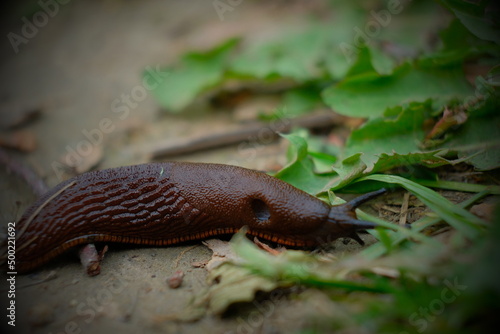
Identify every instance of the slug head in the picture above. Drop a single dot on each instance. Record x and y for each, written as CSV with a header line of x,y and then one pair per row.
x,y
342,219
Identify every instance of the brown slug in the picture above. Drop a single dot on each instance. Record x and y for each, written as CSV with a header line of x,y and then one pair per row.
x,y
167,203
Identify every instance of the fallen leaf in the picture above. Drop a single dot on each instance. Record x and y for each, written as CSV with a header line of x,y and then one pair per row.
x,y
222,252
229,284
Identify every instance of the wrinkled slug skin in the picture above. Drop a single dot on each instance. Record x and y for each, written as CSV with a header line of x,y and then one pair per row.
x,y
167,203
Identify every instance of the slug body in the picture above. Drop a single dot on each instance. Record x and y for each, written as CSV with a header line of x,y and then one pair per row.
x,y
168,203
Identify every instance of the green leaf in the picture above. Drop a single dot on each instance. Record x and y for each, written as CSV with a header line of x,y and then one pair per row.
x,y
337,64
384,239
300,171
387,162
478,140
369,95
394,141
370,59
459,186
382,63
350,169
235,285
456,36
401,134
296,267
295,55
195,73
390,28
230,283
323,162
493,77
301,100
460,44
404,33
475,17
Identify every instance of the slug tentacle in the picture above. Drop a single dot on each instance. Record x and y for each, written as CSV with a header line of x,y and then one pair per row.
x,y
356,202
343,217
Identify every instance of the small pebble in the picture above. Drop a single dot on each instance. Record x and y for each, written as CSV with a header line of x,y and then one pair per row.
x,y
175,280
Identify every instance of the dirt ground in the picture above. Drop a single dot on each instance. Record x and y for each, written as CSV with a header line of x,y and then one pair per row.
x,y
72,69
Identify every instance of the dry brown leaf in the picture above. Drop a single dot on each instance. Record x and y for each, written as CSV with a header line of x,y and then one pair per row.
x,y
222,252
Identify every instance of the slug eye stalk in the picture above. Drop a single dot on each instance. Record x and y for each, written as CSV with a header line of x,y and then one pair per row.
x,y
355,203
344,216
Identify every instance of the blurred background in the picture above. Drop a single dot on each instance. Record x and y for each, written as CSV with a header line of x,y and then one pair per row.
x,y
73,93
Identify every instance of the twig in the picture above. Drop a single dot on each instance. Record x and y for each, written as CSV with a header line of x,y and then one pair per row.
x,y
240,135
390,209
404,209
266,247
181,254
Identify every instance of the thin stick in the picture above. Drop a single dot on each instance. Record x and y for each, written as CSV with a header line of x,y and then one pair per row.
x,y
404,209
181,254
244,134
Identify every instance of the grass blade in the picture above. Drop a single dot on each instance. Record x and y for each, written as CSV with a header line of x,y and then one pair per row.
x,y
459,218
